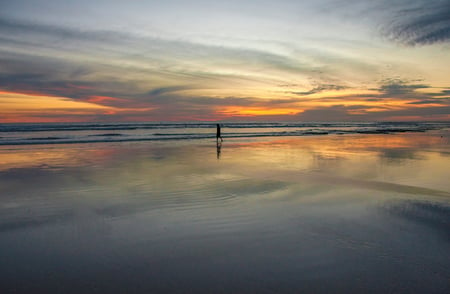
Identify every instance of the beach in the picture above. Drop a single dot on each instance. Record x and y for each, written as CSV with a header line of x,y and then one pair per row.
x,y
337,213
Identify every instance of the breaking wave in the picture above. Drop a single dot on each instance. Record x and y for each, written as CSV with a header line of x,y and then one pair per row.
x,y
64,133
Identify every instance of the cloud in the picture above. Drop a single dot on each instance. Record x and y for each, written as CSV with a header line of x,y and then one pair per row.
x,y
399,88
165,90
321,88
445,92
330,113
393,99
364,113
16,224
419,22
38,31
406,90
183,79
432,101
60,77
51,55
431,214
408,22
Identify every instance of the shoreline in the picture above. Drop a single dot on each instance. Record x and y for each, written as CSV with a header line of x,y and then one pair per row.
x,y
38,134
38,141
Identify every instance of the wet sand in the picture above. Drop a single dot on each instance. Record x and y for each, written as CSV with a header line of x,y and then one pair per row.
x,y
318,214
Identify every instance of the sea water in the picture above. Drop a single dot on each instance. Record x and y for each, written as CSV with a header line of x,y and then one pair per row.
x,y
52,133
348,213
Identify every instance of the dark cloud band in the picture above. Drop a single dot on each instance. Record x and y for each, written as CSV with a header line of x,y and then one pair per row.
x,y
419,22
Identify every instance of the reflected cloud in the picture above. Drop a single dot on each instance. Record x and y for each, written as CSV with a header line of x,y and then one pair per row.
x,y
400,154
293,199
435,215
22,221
38,158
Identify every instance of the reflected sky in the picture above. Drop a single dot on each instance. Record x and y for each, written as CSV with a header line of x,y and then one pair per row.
x,y
290,215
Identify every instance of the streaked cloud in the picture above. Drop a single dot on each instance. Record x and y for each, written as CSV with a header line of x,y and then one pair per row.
x,y
408,22
268,60
321,88
395,87
419,22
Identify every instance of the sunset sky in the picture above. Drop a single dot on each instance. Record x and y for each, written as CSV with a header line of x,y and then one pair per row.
x,y
261,60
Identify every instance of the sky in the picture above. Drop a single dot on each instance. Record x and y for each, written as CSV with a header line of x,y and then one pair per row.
x,y
260,60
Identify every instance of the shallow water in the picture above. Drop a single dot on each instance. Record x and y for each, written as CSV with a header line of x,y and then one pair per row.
x,y
65,133
326,214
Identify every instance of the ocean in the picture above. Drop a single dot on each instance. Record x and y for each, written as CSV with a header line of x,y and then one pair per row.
x,y
155,208
63,133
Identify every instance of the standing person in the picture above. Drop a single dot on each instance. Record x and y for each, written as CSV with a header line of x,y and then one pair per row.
x,y
218,135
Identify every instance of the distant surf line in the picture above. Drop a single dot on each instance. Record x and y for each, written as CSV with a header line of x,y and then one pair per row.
x,y
119,137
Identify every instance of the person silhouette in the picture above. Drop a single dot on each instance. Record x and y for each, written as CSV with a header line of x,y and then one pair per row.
x,y
218,134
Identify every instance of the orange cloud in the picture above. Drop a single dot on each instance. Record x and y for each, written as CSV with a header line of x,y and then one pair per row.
x,y
38,107
257,111
20,107
102,99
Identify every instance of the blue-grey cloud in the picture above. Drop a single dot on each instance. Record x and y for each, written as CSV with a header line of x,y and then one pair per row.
x,y
43,57
408,22
16,28
394,88
139,48
445,92
51,77
165,90
22,223
399,88
321,88
419,22
346,113
432,101
434,215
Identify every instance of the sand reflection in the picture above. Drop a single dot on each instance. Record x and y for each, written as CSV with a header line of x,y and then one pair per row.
x,y
311,214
